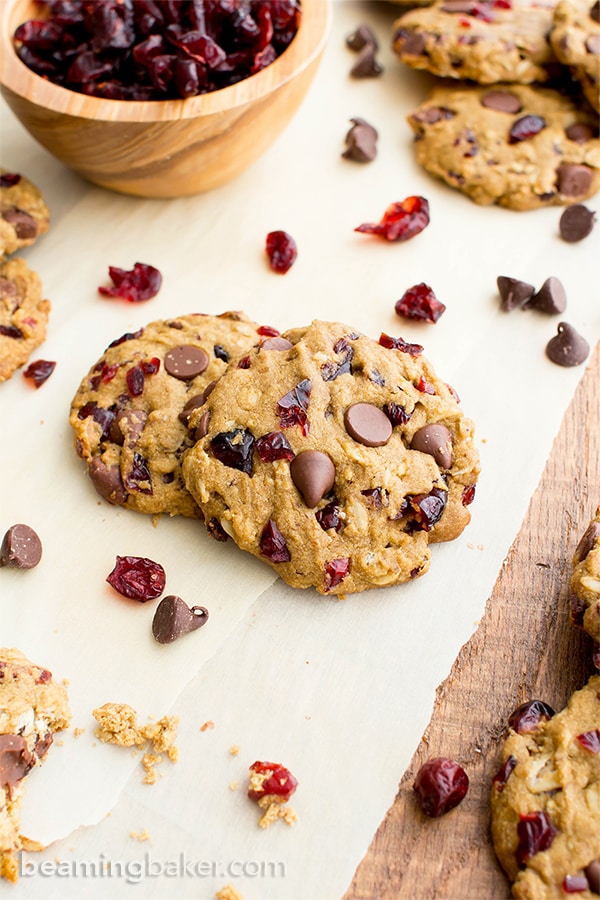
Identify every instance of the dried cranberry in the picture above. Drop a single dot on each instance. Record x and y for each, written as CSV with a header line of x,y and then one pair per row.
x,y
332,370
140,283
128,336
135,379
216,530
138,578
401,221
536,833
139,477
234,449
399,344
272,544
529,716
11,331
524,128
335,572
281,251
396,414
424,386
293,406
273,446
220,352
104,417
9,179
329,516
468,495
420,303
268,331
150,366
425,510
503,773
590,741
276,781
440,785
39,371
575,884
376,497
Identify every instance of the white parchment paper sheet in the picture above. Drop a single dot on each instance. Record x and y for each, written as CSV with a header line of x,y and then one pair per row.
x,y
340,691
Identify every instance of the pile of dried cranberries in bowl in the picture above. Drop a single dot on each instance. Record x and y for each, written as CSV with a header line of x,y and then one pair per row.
x,y
155,49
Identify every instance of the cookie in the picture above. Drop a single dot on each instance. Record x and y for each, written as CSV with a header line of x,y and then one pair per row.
x,y
516,146
130,413
24,215
32,708
575,40
485,42
23,315
585,584
545,799
334,458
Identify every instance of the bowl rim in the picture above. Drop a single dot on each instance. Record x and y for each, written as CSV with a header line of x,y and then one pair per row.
x,y
307,44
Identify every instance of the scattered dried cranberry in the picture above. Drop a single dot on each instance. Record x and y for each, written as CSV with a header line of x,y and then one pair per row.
x,y
39,371
140,283
590,741
273,446
528,716
420,303
536,833
234,449
524,128
401,221
293,406
272,544
503,773
138,578
440,785
399,344
271,779
281,250
335,572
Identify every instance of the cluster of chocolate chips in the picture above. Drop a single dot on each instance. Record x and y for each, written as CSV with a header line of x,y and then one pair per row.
x,y
363,41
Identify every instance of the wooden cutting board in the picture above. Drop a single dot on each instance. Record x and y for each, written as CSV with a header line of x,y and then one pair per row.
x,y
525,647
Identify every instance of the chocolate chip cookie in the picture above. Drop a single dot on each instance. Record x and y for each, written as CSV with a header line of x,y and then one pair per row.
x,y
514,145
585,584
24,215
23,315
546,798
131,410
486,42
575,40
32,708
334,458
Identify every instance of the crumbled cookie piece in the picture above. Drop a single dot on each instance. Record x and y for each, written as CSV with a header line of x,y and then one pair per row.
x,y
117,724
228,893
33,707
271,785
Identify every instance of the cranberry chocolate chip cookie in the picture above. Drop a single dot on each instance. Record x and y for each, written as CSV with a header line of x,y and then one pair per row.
x,y
585,584
32,708
131,411
487,41
23,315
575,40
334,458
546,799
23,212
516,146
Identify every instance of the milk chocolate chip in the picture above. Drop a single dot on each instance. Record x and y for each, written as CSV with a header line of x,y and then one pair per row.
x,y
25,225
15,760
174,618
501,101
367,424
576,222
107,481
186,362
313,473
592,870
573,180
436,440
21,548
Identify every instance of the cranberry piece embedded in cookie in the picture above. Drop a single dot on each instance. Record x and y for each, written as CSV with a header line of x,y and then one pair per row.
x,y
575,884
234,449
525,128
293,406
139,477
536,833
396,414
272,544
440,785
425,510
329,516
590,741
273,446
313,473
335,572
504,772
271,779
137,577
399,343
528,717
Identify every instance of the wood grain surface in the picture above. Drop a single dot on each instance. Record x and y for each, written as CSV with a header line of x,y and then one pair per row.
x,y
525,647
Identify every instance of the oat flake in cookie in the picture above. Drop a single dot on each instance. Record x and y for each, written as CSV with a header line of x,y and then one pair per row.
x,y
513,145
24,215
334,458
545,800
585,584
23,315
32,708
131,410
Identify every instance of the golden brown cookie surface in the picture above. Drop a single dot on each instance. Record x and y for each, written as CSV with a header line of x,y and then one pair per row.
x,y
23,315
24,215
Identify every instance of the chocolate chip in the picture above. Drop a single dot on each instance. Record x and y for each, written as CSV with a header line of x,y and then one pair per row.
x,y
576,222
367,424
361,142
592,870
436,440
514,293
411,43
595,12
202,426
585,545
580,132
193,403
186,362
551,297
128,424
501,101
360,37
107,481
313,473
174,618
15,760
366,66
21,548
25,225
429,115
276,343
592,44
567,347
573,180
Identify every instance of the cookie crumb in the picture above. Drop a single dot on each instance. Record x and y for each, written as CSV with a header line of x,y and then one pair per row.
x,y
140,835
207,725
228,893
233,785
77,732
234,750
117,724
274,810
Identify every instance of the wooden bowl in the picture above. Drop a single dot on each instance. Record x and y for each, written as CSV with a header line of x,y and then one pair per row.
x,y
163,148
